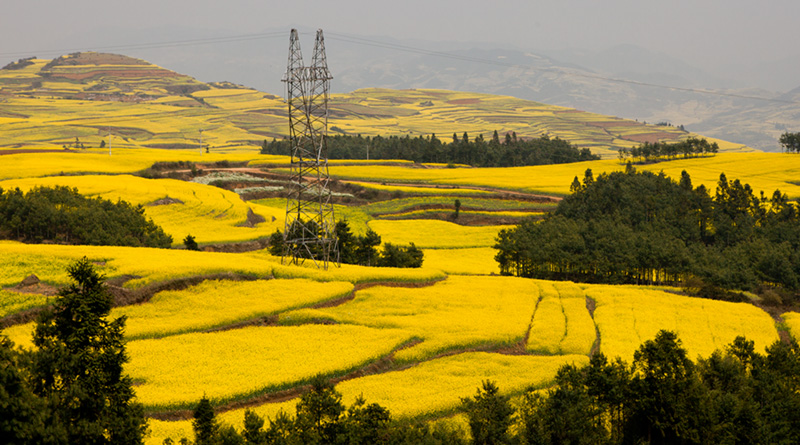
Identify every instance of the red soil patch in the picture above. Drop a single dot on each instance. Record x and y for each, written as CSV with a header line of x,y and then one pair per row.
x,y
614,124
651,137
156,72
464,101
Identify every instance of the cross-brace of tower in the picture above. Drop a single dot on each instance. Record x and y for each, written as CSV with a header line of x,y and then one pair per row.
x,y
309,230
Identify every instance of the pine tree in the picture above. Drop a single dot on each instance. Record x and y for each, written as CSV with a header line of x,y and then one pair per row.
x,y
204,424
489,415
77,366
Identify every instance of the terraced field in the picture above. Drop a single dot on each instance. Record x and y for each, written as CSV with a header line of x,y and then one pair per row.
x,y
245,329
90,96
432,328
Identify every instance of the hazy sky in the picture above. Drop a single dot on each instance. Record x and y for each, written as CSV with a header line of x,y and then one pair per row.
x,y
715,35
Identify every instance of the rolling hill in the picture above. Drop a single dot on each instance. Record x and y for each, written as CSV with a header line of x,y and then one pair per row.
x,y
82,98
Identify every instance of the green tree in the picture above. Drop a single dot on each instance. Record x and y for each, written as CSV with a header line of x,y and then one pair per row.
x,y
204,423
346,241
253,433
367,424
366,251
319,413
400,256
490,415
77,366
668,393
22,414
790,142
190,243
277,243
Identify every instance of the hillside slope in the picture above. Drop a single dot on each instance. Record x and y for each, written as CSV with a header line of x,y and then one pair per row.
x,y
86,98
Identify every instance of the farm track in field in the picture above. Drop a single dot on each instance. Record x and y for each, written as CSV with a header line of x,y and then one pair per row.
x,y
501,192
260,172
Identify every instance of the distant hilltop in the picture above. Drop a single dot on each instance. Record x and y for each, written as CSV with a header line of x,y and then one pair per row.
x,y
81,98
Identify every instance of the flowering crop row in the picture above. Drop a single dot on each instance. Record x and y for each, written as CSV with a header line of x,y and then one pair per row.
x,y
792,320
211,214
177,371
434,234
462,311
469,261
428,389
626,317
561,324
218,303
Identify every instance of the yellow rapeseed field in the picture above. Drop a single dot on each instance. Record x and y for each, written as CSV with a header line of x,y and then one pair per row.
x,y
210,214
561,324
429,389
216,303
355,274
626,317
437,386
470,261
11,302
792,320
433,234
177,371
49,262
20,334
763,171
462,311
120,161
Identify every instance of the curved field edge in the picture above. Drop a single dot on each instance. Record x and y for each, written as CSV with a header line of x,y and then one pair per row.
x,y
228,366
433,388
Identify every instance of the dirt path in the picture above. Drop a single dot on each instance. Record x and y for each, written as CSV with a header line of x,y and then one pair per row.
x,y
462,187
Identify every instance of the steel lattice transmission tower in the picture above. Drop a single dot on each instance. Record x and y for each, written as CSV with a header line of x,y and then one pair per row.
x,y
309,230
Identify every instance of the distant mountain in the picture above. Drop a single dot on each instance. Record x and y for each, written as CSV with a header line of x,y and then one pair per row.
x,y
561,78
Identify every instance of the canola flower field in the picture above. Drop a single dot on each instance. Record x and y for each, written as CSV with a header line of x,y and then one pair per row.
x,y
419,334
241,327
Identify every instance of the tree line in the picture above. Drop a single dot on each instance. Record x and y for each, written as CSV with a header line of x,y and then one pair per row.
x,y
644,228
477,152
647,152
736,395
361,249
62,215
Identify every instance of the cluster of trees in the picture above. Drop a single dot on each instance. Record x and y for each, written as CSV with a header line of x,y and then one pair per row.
x,y
62,215
361,249
790,142
662,151
733,396
321,418
736,395
478,152
644,228
70,389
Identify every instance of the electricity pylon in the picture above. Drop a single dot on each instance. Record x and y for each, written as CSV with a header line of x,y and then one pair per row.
x,y
309,229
